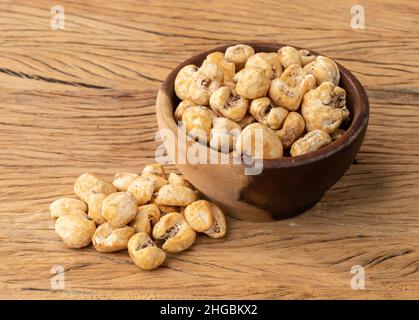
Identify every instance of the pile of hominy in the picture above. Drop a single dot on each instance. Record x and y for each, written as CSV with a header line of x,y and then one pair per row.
x,y
132,211
290,96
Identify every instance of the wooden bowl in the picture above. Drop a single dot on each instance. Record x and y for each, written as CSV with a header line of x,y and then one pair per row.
x,y
287,186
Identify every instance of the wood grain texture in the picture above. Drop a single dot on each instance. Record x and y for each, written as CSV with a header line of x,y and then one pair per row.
x,y
83,99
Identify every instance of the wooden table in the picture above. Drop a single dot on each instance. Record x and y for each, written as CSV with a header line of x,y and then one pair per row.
x,y
82,99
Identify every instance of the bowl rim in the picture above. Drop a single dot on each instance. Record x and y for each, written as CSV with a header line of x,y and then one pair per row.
x,y
357,126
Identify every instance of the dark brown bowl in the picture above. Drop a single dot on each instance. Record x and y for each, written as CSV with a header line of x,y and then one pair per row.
x,y
287,186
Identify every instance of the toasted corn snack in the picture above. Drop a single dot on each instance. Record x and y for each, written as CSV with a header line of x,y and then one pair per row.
x,y
270,62
142,190
306,58
108,239
229,68
88,182
288,90
155,168
239,54
176,232
121,181
144,252
259,142
178,180
170,195
252,83
292,129
244,87
95,201
247,119
182,106
223,134
183,81
264,111
226,102
324,70
66,205
199,216
204,82
312,141
122,224
198,121
164,209
119,209
219,225
147,216
324,108
289,56
236,78
75,229
158,180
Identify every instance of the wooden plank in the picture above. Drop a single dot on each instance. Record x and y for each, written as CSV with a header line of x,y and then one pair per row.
x,y
82,99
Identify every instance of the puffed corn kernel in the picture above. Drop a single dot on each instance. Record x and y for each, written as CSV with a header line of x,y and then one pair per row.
x,y
229,68
223,134
264,111
158,180
312,141
121,181
171,195
94,202
143,251
306,58
270,62
183,81
164,209
108,239
198,121
147,216
175,231
88,182
239,54
178,180
289,56
199,216
219,225
292,129
226,102
204,82
142,190
119,209
75,229
182,106
252,83
155,168
236,78
288,90
257,138
323,69
324,108
66,205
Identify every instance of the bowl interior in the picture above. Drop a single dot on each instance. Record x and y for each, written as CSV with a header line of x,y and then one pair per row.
x,y
356,102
